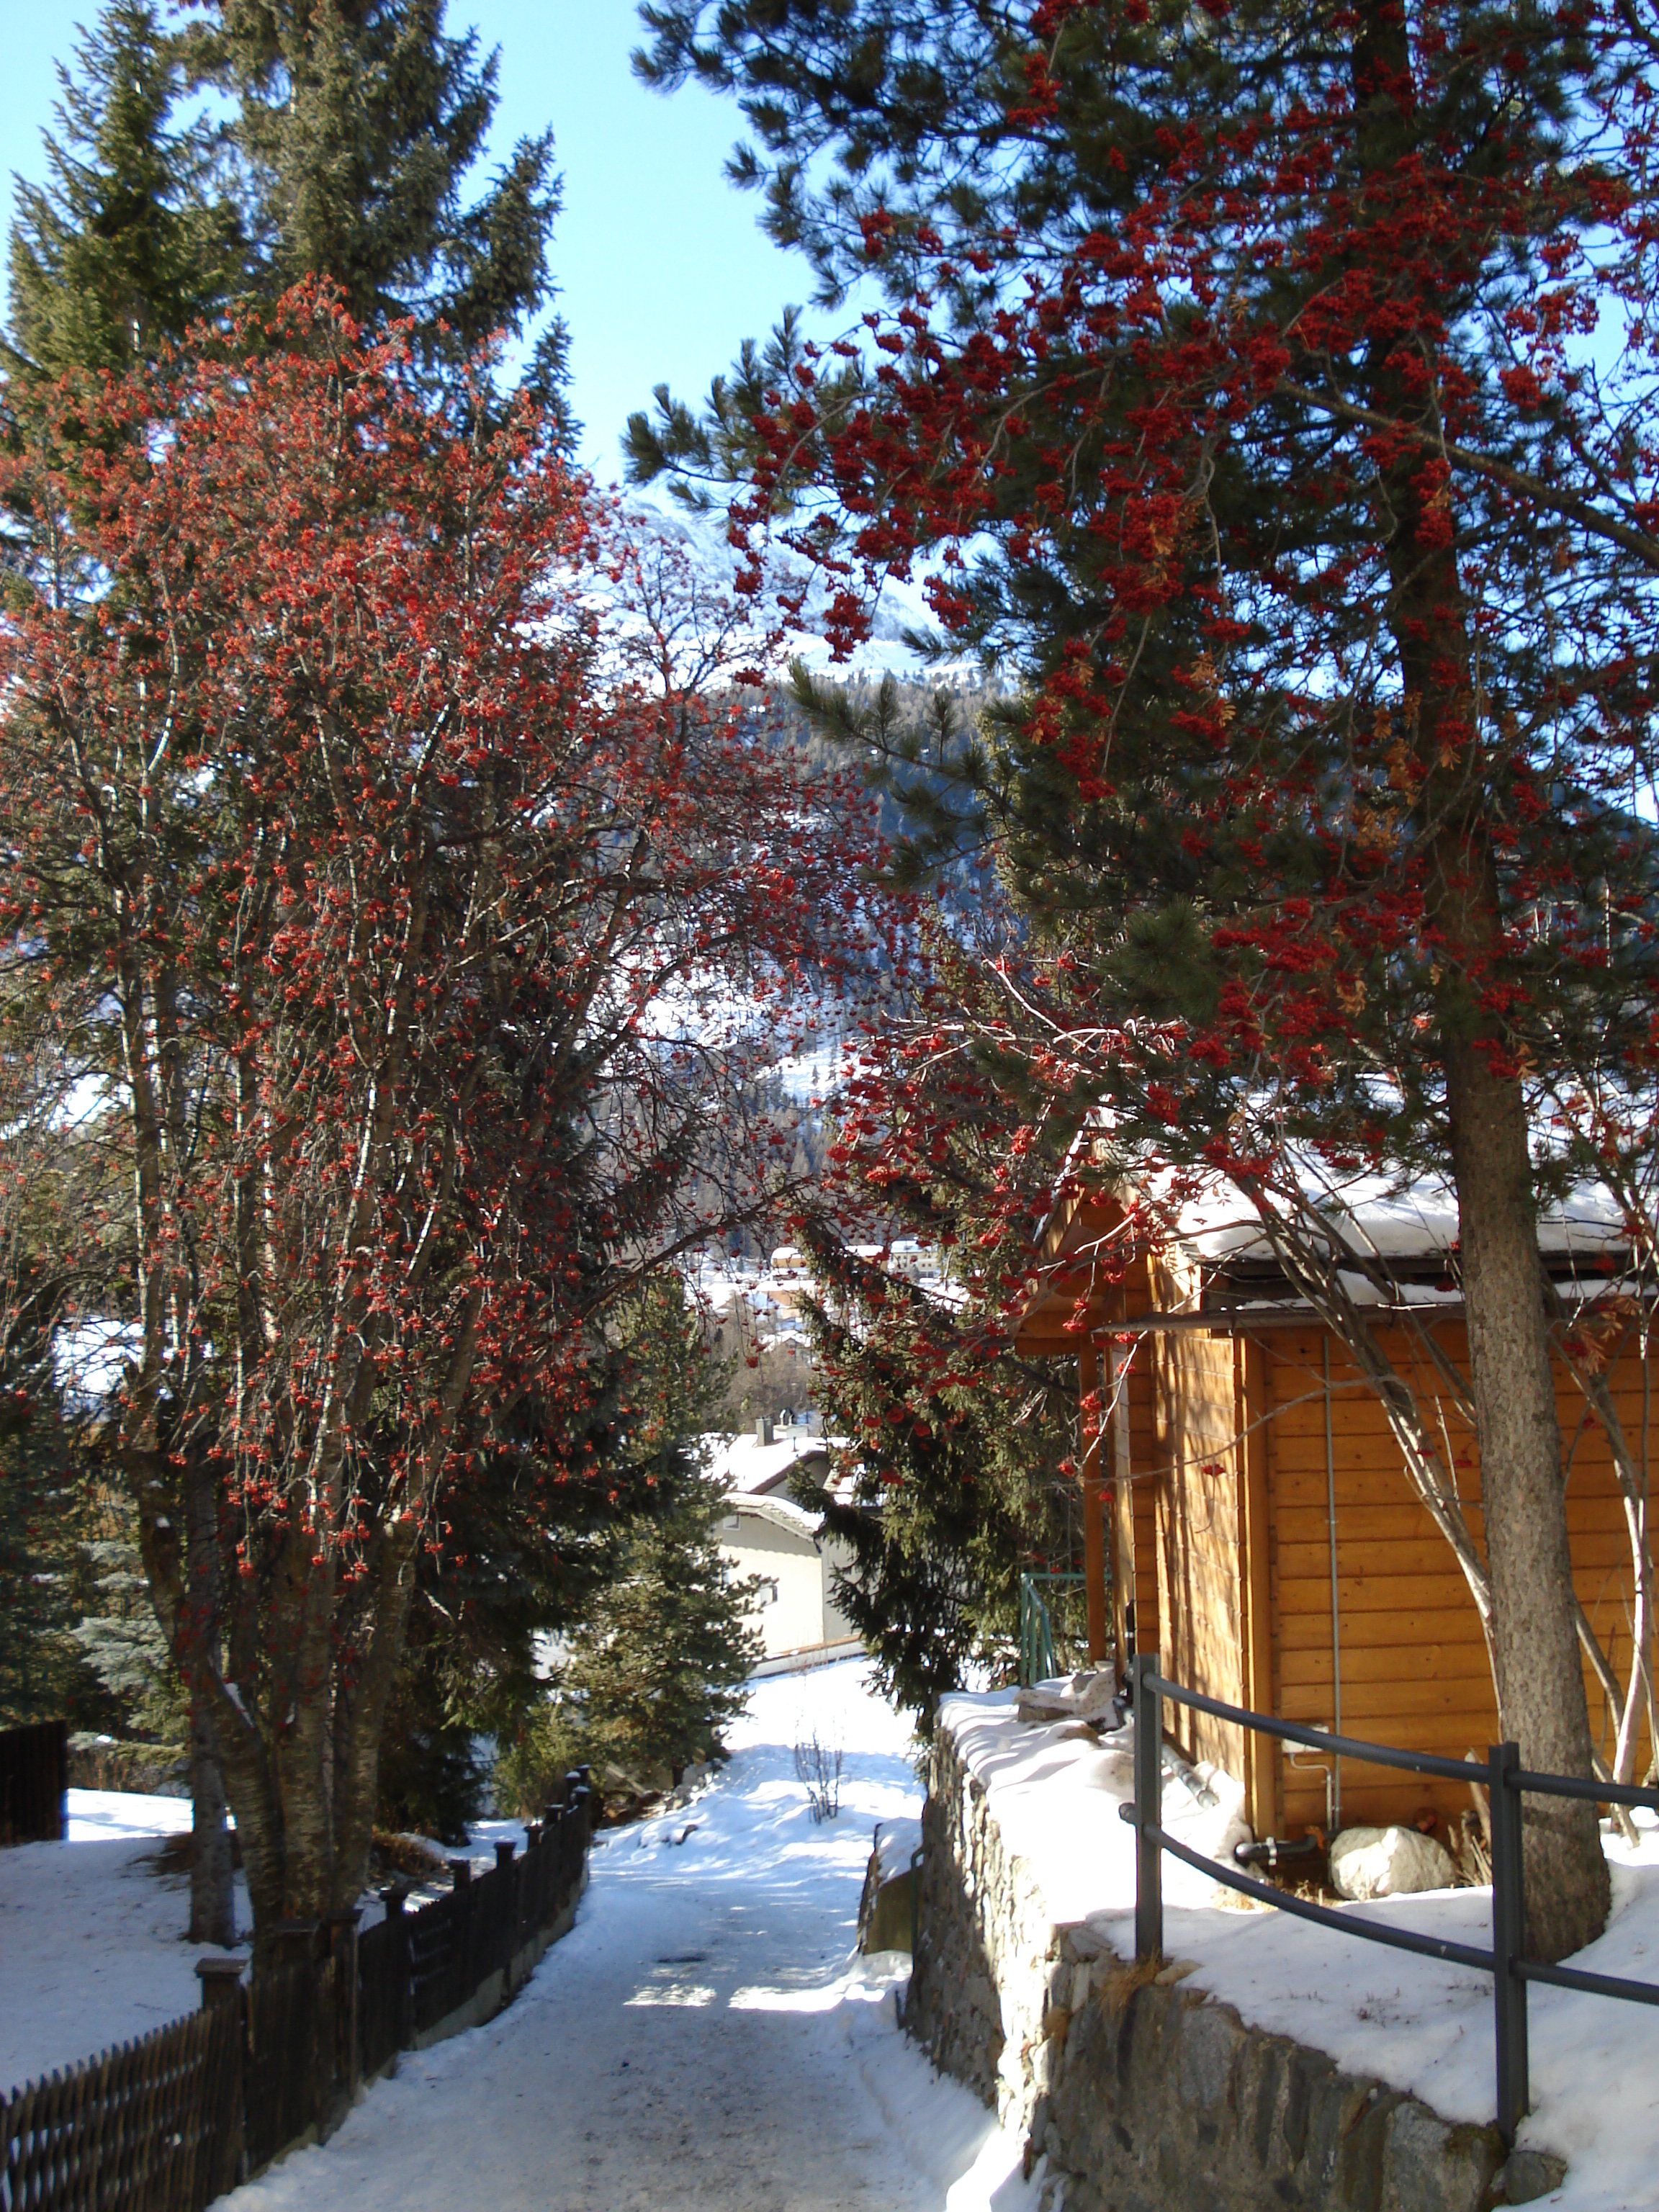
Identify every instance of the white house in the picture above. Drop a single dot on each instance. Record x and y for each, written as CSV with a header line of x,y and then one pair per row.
x,y
765,1534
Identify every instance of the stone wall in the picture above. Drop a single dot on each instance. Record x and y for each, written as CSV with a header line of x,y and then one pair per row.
x,y
1146,2095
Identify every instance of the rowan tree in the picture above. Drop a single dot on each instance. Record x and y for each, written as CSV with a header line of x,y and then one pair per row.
x,y
1241,370
420,936
339,147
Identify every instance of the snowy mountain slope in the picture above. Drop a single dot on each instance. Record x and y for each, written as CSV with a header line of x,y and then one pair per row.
x,y
708,563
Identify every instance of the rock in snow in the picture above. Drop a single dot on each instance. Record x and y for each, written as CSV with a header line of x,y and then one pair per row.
x,y
1388,1863
888,1902
1086,1697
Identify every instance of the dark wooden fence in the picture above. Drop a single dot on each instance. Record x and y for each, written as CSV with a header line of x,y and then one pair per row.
x,y
170,2123
34,1783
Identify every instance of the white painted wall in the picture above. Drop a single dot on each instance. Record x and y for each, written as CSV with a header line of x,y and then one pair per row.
x,y
770,1538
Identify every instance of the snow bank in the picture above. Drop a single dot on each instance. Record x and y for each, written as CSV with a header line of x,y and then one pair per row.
x,y
92,1935
704,2036
1425,2027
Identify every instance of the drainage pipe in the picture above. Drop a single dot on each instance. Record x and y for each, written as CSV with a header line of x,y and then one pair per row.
x,y
1272,1849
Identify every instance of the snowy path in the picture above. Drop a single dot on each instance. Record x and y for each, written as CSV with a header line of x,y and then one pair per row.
x,y
701,2038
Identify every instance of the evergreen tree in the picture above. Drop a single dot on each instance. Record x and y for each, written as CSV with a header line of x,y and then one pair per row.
x,y
963,1454
530,1534
133,236
355,125
121,1637
45,1569
654,1673
350,130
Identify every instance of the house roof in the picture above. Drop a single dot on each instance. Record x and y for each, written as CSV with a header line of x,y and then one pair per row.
x,y
1401,1231
738,1464
780,1513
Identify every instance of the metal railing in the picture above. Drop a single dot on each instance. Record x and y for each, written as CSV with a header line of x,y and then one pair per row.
x,y
1503,1776
1038,1661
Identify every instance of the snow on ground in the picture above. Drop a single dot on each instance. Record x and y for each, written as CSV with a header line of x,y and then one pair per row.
x,y
1421,2025
91,1935
704,2036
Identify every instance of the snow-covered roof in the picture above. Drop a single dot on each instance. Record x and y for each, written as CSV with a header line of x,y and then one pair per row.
x,y
741,1464
781,1513
1387,1217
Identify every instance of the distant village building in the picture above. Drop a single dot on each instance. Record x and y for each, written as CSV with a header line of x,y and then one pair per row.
x,y
766,1535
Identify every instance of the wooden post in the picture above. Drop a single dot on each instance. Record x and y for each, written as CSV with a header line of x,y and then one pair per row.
x,y
223,2148
1261,1771
1094,1534
1119,1504
394,1899
340,1927
1148,1815
293,1944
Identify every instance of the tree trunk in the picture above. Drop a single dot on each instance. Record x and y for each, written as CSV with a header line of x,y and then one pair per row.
x,y
212,1888
1540,1686
212,1883
361,1714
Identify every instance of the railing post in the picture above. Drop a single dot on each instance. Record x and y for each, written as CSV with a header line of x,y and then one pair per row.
x,y
1149,1809
1507,1923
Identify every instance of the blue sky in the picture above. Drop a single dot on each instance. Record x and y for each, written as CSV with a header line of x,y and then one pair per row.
x,y
662,265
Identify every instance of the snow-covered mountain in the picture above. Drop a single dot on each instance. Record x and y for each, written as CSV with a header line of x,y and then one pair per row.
x,y
694,547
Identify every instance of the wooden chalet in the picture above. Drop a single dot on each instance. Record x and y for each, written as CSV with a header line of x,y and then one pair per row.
x,y
1250,1511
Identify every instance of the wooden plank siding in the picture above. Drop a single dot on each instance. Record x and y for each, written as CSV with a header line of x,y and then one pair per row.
x,y
1199,1536
1235,1448
1222,1534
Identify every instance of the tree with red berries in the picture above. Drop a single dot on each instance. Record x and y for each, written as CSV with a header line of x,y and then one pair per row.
x,y
1276,393
385,908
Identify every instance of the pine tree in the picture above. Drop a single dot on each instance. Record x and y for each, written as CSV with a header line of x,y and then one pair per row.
x,y
1238,366
132,237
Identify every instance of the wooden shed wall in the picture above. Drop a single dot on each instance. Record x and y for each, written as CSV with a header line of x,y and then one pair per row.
x,y
1135,1495
1198,1534
1414,1669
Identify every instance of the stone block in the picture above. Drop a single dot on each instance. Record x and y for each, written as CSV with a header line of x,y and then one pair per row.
x,y
1527,2175
1209,2046
1431,2166
1148,2098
